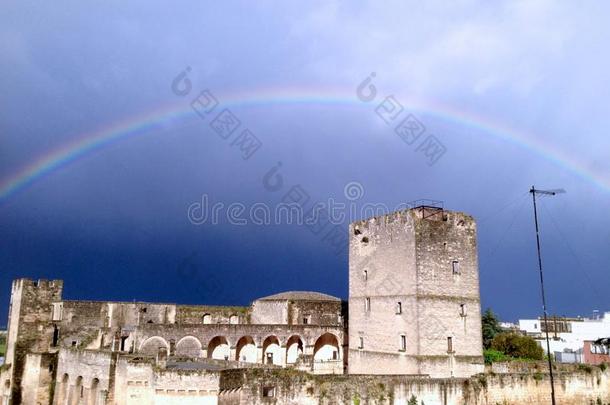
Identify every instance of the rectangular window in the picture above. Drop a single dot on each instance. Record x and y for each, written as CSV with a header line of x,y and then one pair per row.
x,y
335,355
55,336
449,344
463,309
268,392
455,267
399,307
360,342
367,304
403,343
58,309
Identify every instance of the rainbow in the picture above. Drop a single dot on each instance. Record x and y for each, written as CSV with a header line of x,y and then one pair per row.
x,y
90,142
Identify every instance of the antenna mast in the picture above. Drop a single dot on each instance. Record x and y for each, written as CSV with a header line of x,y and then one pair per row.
x,y
534,191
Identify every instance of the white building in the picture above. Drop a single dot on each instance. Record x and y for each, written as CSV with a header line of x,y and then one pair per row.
x,y
567,334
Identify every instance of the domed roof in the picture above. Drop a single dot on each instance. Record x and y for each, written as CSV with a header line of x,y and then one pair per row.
x,y
299,296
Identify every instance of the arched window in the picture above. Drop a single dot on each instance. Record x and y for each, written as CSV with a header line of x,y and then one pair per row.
x,y
272,351
63,389
78,391
219,348
326,348
93,392
246,350
294,349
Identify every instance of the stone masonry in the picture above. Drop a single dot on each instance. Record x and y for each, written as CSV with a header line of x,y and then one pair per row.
x,y
414,295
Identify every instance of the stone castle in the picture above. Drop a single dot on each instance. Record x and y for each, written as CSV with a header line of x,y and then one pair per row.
x,y
412,322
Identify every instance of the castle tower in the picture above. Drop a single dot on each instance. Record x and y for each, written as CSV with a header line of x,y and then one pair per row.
x,y
414,304
30,330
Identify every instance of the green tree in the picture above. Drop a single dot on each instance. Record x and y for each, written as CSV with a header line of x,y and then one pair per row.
x,y
515,345
490,326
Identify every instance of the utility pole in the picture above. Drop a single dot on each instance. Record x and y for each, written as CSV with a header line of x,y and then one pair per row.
x,y
534,191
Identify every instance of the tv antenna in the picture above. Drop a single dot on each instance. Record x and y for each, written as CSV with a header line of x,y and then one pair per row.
x,y
535,192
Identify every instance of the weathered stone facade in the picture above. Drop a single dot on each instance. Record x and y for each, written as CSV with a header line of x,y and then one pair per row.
x,y
573,387
95,352
30,335
414,295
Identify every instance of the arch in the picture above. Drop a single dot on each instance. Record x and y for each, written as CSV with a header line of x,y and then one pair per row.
x,y
272,351
326,348
77,391
93,392
63,389
152,345
206,319
234,319
219,348
246,350
188,346
294,349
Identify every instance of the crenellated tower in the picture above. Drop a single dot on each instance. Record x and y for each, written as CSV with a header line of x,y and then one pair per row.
x,y
414,294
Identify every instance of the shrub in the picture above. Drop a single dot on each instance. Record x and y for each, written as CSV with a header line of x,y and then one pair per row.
x,y
515,345
494,356
586,368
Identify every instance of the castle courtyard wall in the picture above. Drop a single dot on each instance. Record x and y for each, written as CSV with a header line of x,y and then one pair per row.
x,y
144,383
572,388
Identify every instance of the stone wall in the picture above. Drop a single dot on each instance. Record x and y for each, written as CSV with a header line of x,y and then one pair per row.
x,y
448,298
5,385
326,313
83,374
38,378
194,314
108,314
270,312
30,329
291,388
142,383
381,274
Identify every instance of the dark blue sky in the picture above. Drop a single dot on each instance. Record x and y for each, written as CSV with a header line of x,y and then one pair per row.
x,y
515,91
